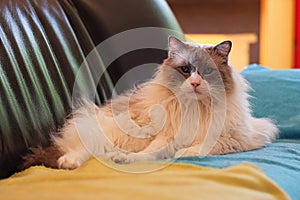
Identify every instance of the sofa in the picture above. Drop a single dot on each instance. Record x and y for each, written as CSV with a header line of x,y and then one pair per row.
x,y
45,45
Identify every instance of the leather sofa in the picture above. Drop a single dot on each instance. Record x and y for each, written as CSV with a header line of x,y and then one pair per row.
x,y
43,43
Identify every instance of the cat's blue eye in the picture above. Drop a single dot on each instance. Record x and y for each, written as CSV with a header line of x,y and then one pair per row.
x,y
185,69
208,70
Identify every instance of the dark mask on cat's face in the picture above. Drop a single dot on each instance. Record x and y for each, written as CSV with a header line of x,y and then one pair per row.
x,y
199,70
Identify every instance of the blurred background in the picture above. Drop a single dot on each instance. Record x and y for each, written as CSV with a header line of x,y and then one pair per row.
x,y
265,32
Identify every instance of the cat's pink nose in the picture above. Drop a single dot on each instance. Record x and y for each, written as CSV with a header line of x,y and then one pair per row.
x,y
195,85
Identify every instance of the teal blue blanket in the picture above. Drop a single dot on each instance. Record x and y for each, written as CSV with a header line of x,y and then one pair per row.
x,y
276,94
280,161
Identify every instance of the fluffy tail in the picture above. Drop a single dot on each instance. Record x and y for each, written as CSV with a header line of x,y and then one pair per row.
x,y
265,132
42,156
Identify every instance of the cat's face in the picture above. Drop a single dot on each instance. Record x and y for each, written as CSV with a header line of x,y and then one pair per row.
x,y
196,70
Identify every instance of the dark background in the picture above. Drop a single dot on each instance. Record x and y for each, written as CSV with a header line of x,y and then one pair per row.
x,y
219,17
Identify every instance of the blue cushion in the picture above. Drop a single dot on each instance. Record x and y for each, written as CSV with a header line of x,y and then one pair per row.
x,y
276,94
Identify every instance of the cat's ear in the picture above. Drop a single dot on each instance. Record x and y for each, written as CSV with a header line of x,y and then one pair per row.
x,y
175,47
223,48
174,43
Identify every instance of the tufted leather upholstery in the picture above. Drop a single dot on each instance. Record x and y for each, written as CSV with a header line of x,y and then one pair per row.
x,y
42,45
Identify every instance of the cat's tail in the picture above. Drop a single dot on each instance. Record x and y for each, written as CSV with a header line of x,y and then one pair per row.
x,y
47,157
264,132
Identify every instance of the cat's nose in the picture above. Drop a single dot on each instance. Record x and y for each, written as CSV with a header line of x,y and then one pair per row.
x,y
195,85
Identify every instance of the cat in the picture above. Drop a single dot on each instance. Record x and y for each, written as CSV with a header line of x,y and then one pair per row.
x,y
195,104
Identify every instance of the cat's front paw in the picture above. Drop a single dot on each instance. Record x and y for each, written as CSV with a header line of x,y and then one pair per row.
x,y
68,161
120,158
123,158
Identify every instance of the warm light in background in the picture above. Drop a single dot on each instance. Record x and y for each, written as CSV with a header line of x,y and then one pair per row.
x,y
265,32
277,41
276,37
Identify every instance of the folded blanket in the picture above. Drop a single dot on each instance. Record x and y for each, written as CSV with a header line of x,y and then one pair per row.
x,y
176,181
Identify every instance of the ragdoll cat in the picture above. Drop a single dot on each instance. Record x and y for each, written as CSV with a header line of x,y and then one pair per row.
x,y
196,104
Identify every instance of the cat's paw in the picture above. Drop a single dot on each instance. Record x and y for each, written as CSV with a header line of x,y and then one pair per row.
x,y
123,158
69,161
119,158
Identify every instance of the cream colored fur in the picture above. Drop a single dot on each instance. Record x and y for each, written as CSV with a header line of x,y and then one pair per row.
x,y
165,118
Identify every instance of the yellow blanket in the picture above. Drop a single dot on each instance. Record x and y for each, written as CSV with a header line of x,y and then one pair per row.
x,y
177,181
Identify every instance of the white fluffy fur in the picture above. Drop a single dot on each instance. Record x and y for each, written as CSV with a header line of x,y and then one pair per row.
x,y
164,118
